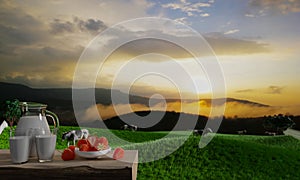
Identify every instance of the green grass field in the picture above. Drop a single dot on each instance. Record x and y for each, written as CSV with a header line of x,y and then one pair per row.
x,y
225,157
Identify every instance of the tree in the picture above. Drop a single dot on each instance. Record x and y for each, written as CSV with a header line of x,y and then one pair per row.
x,y
11,111
278,123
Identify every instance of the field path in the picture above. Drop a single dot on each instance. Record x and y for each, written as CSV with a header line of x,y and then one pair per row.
x,y
292,132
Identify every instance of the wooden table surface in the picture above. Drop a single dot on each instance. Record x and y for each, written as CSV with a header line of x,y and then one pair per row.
x,y
80,168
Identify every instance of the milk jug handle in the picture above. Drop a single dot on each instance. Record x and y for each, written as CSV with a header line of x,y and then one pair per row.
x,y
54,119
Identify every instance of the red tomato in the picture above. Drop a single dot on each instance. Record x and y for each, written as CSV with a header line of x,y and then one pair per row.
x,y
101,147
97,143
103,140
81,141
72,148
93,149
84,147
68,154
118,153
92,140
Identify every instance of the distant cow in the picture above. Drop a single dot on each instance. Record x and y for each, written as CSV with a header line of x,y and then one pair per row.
x,y
203,132
129,127
270,133
197,131
75,135
207,131
242,132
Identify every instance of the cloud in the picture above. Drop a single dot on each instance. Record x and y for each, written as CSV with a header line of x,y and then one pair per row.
x,y
11,14
221,45
183,20
269,90
38,35
224,45
231,31
18,28
38,79
110,12
42,41
275,89
108,111
57,26
245,90
40,66
77,25
277,6
250,15
145,46
247,110
204,15
189,8
233,108
92,25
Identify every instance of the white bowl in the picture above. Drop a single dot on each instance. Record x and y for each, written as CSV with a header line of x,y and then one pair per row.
x,y
91,154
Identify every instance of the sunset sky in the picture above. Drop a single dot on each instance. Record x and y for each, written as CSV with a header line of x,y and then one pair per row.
x,y
256,42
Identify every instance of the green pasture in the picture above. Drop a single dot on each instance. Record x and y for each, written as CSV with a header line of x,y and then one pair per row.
x,y
225,157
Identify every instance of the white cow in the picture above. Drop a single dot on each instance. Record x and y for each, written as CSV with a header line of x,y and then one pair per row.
x,y
270,133
202,132
207,131
242,132
130,127
75,135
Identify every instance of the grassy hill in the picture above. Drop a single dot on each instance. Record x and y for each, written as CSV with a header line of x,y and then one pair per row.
x,y
226,157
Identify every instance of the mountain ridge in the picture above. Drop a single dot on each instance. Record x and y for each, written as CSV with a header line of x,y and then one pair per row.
x,y
21,92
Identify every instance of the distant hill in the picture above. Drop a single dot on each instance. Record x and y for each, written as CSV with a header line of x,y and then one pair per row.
x,y
63,96
166,123
59,100
60,96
